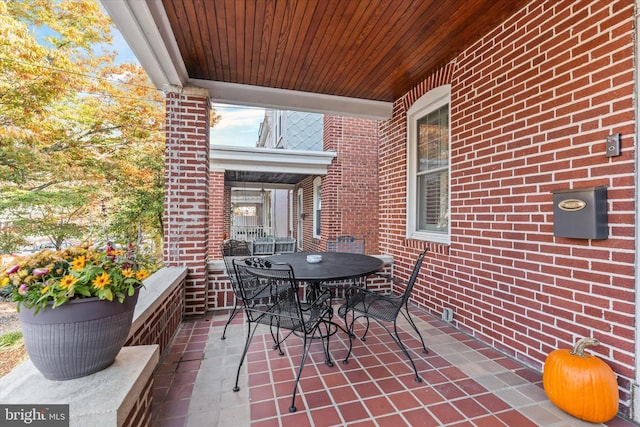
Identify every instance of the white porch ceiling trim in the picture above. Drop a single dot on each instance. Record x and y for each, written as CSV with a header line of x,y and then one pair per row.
x,y
145,27
284,99
269,160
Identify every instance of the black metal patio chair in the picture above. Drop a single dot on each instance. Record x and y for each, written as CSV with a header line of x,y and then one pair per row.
x,y
229,249
234,247
346,244
384,309
281,310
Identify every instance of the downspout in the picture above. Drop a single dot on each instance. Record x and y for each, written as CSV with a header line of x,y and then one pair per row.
x,y
635,388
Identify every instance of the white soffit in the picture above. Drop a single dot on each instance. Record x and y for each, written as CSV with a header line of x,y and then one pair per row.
x,y
283,99
145,27
252,159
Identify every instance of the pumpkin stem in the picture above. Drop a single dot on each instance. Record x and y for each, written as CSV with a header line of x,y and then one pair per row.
x,y
578,348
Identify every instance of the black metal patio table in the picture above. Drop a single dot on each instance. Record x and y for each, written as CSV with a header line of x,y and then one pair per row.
x,y
334,266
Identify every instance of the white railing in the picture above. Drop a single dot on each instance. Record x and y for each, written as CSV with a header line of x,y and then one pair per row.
x,y
249,233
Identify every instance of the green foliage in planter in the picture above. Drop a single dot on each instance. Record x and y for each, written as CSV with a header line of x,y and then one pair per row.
x,y
78,272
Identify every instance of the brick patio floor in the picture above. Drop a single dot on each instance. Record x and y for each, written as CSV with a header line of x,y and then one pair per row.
x,y
465,383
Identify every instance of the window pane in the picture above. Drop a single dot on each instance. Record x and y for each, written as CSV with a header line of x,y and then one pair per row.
x,y
433,139
433,202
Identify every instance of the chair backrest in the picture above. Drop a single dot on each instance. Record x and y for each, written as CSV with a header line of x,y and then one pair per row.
x,y
275,285
346,244
414,276
235,248
229,249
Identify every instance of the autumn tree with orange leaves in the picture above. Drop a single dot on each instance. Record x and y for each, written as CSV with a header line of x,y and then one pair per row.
x,y
81,136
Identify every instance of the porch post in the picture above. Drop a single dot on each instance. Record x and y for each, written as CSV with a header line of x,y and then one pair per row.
x,y
353,172
186,201
217,209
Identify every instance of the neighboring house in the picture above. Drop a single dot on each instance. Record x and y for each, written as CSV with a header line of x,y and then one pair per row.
x,y
291,130
288,130
469,157
344,201
264,211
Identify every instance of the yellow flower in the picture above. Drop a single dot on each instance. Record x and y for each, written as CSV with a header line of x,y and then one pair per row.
x,y
4,282
67,281
101,281
78,263
142,274
22,273
127,273
44,290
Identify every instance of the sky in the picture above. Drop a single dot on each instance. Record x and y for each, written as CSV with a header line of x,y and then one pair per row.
x,y
238,125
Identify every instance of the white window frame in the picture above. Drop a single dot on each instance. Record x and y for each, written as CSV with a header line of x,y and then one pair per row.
x,y
317,206
430,101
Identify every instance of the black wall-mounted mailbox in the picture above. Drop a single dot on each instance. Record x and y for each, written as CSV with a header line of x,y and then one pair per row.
x,y
581,213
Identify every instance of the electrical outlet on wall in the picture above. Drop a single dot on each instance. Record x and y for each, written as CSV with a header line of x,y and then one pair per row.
x,y
613,145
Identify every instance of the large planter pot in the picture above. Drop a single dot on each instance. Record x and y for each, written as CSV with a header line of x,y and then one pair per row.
x,y
78,338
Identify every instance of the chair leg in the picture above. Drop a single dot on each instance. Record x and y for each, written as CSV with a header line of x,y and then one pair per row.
x,y
276,339
415,328
325,345
364,336
250,334
305,352
350,333
236,309
398,341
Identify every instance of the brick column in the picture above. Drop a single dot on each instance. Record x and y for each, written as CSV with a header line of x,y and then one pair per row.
x,y
186,204
350,188
331,222
219,201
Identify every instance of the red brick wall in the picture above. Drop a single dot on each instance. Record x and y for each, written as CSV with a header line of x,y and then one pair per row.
x,y
140,412
163,324
531,105
220,293
186,210
350,188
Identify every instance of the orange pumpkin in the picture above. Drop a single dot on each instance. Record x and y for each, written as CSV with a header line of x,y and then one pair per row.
x,y
580,383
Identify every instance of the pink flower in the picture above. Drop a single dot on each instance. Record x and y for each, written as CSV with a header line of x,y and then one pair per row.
x,y
23,289
13,269
40,271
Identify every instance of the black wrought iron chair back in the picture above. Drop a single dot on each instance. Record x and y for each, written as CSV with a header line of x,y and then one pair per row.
x,y
235,248
346,244
231,248
271,297
383,308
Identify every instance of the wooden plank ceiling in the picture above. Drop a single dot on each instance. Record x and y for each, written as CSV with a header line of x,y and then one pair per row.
x,y
373,49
